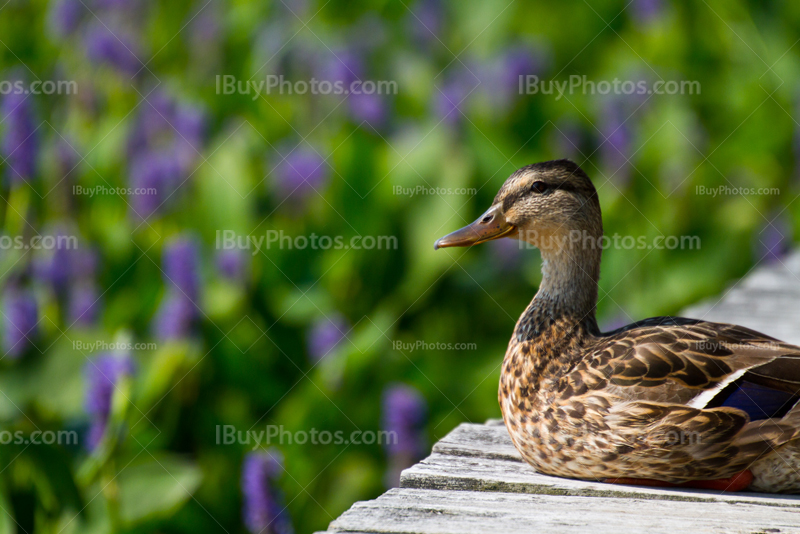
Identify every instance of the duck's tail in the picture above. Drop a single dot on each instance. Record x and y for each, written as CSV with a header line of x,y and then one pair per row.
x,y
778,469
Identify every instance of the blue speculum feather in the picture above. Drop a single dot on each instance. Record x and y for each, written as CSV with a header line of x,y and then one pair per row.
x,y
760,402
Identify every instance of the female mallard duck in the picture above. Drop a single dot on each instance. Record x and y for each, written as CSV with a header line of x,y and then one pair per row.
x,y
664,401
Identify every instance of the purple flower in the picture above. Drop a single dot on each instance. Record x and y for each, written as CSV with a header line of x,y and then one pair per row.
x,y
189,124
615,148
154,177
325,336
55,268
426,21
85,262
344,66
84,304
65,16
263,511
102,376
20,143
204,27
506,254
520,61
774,241
180,264
616,321
301,173
405,415
173,132
233,264
114,48
176,317
567,139
646,10
67,160
117,4
369,108
20,322
451,98
152,124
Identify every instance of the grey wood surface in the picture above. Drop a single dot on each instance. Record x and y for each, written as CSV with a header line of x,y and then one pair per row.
x,y
475,480
461,512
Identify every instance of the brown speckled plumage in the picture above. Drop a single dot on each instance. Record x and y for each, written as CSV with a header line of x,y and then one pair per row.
x,y
642,401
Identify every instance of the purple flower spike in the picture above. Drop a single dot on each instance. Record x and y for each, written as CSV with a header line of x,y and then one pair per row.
x,y
520,61
84,304
616,142
181,263
325,336
189,124
646,10
20,143
405,415
55,268
102,376
568,139
263,509
68,161
774,241
65,16
233,264
452,97
426,21
507,254
20,322
113,48
343,66
154,177
369,108
300,174
176,318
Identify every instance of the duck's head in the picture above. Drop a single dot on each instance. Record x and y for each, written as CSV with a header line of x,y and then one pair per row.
x,y
546,204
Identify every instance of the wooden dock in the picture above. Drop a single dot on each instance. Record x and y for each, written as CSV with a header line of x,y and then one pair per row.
x,y
474,481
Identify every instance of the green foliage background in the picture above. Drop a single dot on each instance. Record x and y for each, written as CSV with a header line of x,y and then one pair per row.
x,y
249,366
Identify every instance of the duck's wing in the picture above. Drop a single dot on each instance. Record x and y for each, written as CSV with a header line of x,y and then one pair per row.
x,y
712,361
718,366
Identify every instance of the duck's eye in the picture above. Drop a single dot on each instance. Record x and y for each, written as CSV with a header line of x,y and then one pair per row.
x,y
539,187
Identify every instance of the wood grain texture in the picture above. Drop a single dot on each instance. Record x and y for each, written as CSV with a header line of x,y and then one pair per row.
x,y
462,512
476,472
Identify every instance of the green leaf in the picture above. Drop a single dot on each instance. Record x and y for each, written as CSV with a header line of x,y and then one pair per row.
x,y
156,488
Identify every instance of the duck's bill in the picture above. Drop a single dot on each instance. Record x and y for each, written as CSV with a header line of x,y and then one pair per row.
x,y
490,225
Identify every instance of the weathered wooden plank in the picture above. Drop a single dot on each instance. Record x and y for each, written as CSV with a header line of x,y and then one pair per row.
x,y
485,441
472,462
463,512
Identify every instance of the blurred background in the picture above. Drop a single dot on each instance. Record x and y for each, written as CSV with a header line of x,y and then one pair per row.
x,y
148,342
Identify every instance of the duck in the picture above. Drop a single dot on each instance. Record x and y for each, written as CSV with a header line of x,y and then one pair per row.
x,y
666,401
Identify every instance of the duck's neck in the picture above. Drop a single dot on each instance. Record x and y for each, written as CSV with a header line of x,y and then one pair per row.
x,y
567,295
